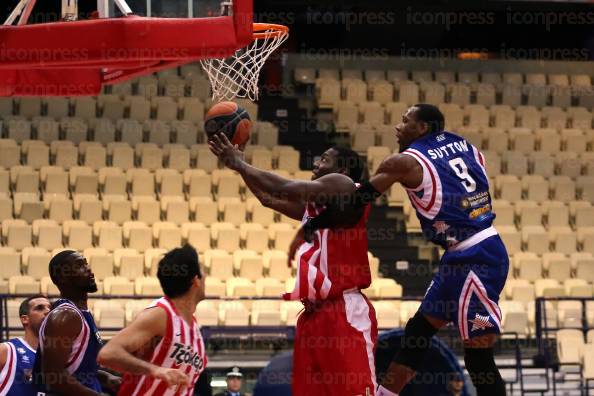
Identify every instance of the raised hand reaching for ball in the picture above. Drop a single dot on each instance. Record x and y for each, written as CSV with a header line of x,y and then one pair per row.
x,y
231,155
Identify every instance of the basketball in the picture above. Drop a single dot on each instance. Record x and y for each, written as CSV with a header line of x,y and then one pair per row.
x,y
229,118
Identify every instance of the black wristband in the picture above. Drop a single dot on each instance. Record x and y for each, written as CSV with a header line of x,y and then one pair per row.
x,y
365,194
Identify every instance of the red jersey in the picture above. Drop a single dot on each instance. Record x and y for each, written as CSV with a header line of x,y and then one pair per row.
x,y
335,261
181,348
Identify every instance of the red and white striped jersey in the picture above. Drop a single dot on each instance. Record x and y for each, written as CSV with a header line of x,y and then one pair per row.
x,y
335,261
182,347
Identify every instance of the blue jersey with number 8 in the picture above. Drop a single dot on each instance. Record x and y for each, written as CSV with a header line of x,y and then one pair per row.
x,y
453,201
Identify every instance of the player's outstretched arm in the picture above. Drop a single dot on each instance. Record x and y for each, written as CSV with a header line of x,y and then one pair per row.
x,y
118,353
61,329
321,190
397,168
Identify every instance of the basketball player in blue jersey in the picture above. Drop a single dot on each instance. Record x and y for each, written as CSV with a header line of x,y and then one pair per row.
x,y
447,184
69,341
17,356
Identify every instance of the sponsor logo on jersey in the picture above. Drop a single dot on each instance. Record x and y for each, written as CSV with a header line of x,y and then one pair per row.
x,y
475,200
479,211
440,138
184,354
465,203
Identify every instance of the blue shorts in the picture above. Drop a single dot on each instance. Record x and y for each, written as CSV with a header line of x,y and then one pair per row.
x,y
466,288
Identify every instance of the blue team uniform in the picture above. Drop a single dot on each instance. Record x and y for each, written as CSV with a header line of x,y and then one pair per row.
x,y
453,205
15,377
82,362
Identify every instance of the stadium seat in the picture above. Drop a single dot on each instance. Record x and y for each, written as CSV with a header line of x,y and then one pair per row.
x,y
233,209
276,263
11,262
83,180
529,213
570,314
382,92
269,287
240,287
9,154
523,140
54,180
563,188
77,234
536,188
515,318
88,207
147,286
208,313
109,235
225,236
258,213
138,235
117,285
118,208
233,313
255,237
289,312
178,158
47,233
23,284
16,233
266,313
37,154
197,235
204,209
564,239
167,235
548,288
408,93
129,263
248,264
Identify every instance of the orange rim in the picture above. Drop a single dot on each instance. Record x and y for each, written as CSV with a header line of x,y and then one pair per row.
x,y
267,30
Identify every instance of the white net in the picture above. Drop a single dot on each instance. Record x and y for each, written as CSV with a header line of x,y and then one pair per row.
x,y
237,76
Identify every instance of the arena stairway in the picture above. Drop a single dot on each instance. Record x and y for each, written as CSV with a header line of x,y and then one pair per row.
x,y
399,252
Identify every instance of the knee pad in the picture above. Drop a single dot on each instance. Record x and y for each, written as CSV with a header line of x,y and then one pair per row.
x,y
480,364
415,343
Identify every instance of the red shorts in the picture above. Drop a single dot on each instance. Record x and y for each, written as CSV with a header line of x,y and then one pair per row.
x,y
334,348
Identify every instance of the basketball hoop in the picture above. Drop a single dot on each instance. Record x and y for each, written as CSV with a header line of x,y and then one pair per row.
x,y
237,75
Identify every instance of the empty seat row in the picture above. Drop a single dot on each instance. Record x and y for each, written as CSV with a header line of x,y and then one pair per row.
x,y
536,239
48,234
101,130
348,114
146,156
577,214
329,92
309,75
135,182
112,107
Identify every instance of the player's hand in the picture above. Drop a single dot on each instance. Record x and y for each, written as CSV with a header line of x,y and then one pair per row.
x,y
231,155
173,377
113,383
295,243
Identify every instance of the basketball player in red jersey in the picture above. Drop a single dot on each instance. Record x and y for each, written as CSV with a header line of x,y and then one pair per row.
x,y
162,352
336,334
